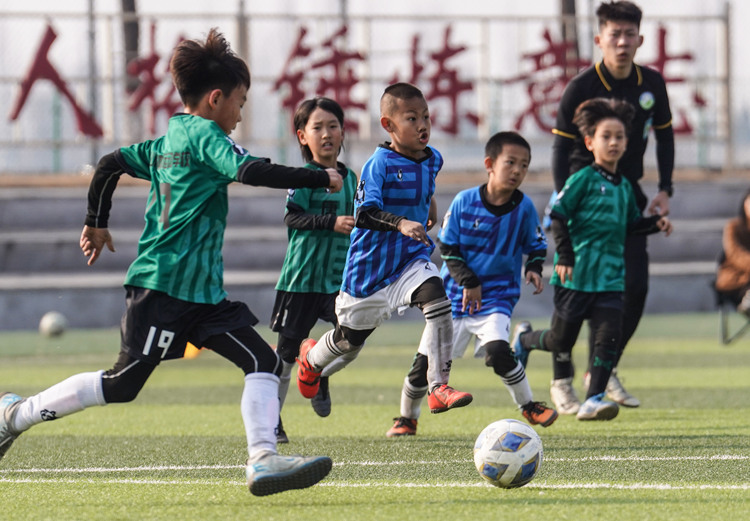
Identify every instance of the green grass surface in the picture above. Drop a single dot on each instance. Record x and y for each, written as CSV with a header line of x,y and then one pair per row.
x,y
177,452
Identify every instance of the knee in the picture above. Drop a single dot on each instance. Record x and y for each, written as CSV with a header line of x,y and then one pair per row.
x,y
499,357
119,390
350,340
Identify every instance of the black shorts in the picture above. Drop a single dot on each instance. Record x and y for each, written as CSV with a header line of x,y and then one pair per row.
x,y
574,306
295,314
158,327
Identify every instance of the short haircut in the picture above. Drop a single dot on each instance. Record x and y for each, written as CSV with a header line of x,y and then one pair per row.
x,y
397,91
199,67
622,11
589,113
305,110
495,144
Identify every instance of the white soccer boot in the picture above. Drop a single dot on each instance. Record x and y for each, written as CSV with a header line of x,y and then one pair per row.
x,y
617,393
564,396
273,473
595,408
8,404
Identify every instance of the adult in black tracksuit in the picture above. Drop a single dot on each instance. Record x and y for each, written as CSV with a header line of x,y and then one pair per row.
x,y
617,76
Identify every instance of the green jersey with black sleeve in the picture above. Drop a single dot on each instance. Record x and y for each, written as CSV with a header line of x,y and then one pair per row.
x,y
315,255
190,167
597,207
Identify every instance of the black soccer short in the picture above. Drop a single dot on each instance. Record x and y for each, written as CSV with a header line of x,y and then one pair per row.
x,y
158,327
295,314
575,306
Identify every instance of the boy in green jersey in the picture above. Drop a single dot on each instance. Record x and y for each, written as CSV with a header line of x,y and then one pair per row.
x,y
175,292
591,217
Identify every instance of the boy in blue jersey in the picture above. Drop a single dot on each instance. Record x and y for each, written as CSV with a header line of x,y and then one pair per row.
x,y
388,264
175,292
591,218
485,234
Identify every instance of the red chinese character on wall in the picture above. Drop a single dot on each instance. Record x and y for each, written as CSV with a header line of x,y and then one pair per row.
x,y
145,69
42,69
551,70
682,124
337,77
444,82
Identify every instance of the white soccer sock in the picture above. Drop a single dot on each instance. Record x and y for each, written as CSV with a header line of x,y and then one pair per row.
x,y
518,385
284,380
326,352
340,362
437,342
69,396
260,413
411,399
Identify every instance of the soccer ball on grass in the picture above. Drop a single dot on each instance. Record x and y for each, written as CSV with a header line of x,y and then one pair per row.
x,y
53,323
508,453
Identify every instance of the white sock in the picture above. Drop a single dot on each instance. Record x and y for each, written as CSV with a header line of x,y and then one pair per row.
x,y
326,352
286,377
518,385
437,342
69,396
260,413
340,362
411,399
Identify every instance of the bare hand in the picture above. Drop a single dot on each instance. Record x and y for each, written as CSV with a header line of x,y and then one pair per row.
x,y
92,242
413,230
335,181
472,300
665,225
659,204
532,277
344,224
432,215
564,272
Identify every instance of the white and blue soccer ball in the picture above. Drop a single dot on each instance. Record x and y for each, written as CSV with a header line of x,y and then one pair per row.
x,y
508,453
53,323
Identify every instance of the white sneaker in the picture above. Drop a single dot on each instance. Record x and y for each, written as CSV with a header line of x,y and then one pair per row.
x,y
273,473
617,393
597,409
564,396
8,403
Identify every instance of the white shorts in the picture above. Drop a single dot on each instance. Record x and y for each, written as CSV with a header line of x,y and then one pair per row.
x,y
370,312
485,328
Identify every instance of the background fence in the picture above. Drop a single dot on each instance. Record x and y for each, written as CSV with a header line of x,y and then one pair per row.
x,y
77,87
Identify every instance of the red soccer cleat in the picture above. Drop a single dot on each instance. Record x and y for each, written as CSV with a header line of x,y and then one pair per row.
x,y
446,397
308,381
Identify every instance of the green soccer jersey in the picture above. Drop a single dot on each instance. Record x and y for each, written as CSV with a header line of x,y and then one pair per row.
x,y
598,210
315,258
179,252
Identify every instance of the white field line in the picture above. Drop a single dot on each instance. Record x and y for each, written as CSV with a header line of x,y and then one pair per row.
x,y
5,478
366,463
334,484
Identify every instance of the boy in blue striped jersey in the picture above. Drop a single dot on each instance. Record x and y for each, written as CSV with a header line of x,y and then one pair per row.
x,y
388,265
486,232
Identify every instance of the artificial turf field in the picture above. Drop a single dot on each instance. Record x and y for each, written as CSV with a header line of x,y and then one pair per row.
x,y
178,451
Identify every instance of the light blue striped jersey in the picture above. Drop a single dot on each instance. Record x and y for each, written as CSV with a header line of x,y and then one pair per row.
x,y
399,185
492,246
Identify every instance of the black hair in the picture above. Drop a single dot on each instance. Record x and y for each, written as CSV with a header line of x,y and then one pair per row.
x,y
495,144
199,67
402,91
589,113
622,11
302,116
